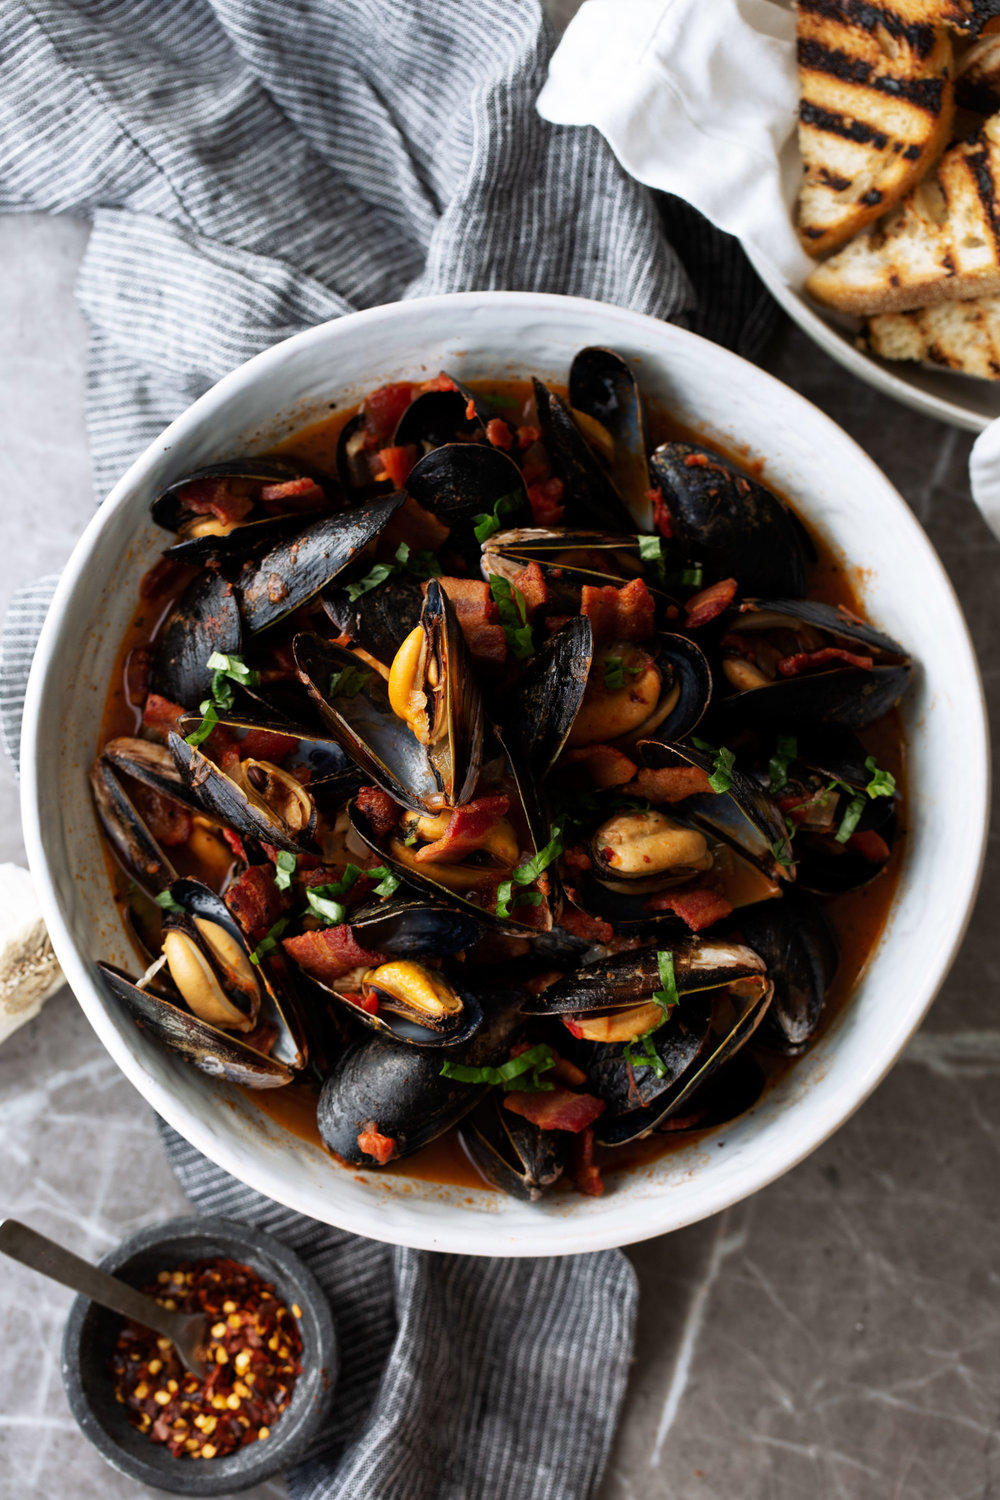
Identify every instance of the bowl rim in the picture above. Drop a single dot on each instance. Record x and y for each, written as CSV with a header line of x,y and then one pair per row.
x,y
567,1236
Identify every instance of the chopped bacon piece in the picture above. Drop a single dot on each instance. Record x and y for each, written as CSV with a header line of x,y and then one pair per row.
x,y
255,901
266,744
586,1172
870,845
592,929
468,828
527,435
577,859
545,498
234,841
167,821
161,716
379,808
555,1109
383,408
662,519
669,783
213,497
698,908
498,433
478,617
805,661
397,463
619,614
605,766
293,493
161,578
530,583
373,1143
330,952
710,603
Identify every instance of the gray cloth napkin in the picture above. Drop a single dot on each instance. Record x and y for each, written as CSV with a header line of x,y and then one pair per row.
x,y
254,167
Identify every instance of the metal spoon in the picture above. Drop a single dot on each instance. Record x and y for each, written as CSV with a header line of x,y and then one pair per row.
x,y
188,1332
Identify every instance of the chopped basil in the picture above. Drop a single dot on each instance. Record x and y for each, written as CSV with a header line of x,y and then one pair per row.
x,y
486,526
284,869
721,778
411,840
513,617
641,1053
269,942
527,873
782,849
324,900
689,578
389,881
421,564
614,673
225,671
510,1075
667,997
882,784
167,903
348,682
496,398
651,552
209,719
786,749
850,820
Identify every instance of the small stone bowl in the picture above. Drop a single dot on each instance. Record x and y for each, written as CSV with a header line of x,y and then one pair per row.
x,y
91,1332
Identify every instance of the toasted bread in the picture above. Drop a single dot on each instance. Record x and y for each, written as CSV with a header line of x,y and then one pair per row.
x,y
963,336
977,84
941,244
876,109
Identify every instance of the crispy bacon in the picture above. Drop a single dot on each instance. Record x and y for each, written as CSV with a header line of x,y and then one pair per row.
x,y
383,408
498,433
161,716
669,783
619,614
213,497
265,744
555,1109
870,845
605,766
592,929
234,841
167,821
292,494
478,616
698,908
530,583
379,808
255,901
586,1172
330,952
468,828
710,603
545,497
373,1143
806,661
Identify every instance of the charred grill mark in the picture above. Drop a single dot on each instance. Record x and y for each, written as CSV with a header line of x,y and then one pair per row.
x,y
838,124
912,152
948,262
812,233
870,198
918,36
979,165
923,93
833,181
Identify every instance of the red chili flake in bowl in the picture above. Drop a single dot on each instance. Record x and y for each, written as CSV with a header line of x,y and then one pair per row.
x,y
255,1353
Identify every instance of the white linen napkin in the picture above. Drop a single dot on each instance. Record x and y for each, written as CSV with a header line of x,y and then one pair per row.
x,y
699,98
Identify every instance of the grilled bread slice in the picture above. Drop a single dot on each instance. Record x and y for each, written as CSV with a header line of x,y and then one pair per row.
x,y
962,336
941,244
876,109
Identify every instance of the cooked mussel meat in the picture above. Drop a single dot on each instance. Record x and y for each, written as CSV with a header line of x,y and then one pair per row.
x,y
258,800
659,688
229,510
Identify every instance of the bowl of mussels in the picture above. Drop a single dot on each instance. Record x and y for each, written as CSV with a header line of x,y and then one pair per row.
x,y
504,775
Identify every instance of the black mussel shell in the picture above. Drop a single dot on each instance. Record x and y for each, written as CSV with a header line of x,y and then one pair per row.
x,y
590,497
258,530
823,864
727,1093
152,764
684,696
411,927
167,509
134,845
399,1092
461,481
379,620
801,952
570,559
627,979
296,569
602,386
548,697
224,800
206,619
402,1025
512,1153
728,522
435,418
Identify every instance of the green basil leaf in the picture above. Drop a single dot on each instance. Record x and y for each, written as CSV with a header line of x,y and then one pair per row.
x,y
513,617
850,820
614,673
882,784
641,1053
208,722
269,941
510,1074
721,778
371,580
786,750
284,869
166,902
389,881
332,913
348,682
667,997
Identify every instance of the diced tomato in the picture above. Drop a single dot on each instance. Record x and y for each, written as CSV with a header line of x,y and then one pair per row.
x,y
662,519
470,410
697,908
367,1003
619,614
330,952
870,845
373,1143
468,828
161,716
265,744
397,463
167,821
439,382
546,498
555,1109
214,497
379,808
255,901
383,408
806,661
670,783
709,603
527,435
499,434
573,1027
582,925
234,841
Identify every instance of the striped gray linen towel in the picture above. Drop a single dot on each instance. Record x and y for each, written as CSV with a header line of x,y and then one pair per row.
x,y
252,168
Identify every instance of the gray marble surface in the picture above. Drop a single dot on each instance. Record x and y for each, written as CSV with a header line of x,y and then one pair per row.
x,y
838,1335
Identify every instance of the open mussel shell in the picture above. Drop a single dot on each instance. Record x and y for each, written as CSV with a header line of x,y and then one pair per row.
x,y
570,559
379,620
461,481
435,418
744,816
839,693
590,497
801,952
384,1086
205,619
297,568
728,522
410,926
727,1093
666,679
624,980
203,537
402,1009
152,764
547,699
823,864
134,845
267,803
603,388
424,777
512,1153
168,509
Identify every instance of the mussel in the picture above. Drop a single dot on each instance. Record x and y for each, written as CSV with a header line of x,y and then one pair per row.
x,y
589,495
413,1003
639,690
257,799
512,1153
140,854
462,481
796,941
205,620
604,395
229,510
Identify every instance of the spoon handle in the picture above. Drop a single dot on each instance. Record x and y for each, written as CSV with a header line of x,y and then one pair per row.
x,y
39,1253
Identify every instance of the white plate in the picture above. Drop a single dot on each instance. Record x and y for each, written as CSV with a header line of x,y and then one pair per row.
x,y
806,457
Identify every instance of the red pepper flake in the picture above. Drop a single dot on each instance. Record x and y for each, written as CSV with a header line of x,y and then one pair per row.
x,y
254,1349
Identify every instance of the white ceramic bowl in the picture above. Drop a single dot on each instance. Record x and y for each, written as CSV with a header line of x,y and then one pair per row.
x,y
806,457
